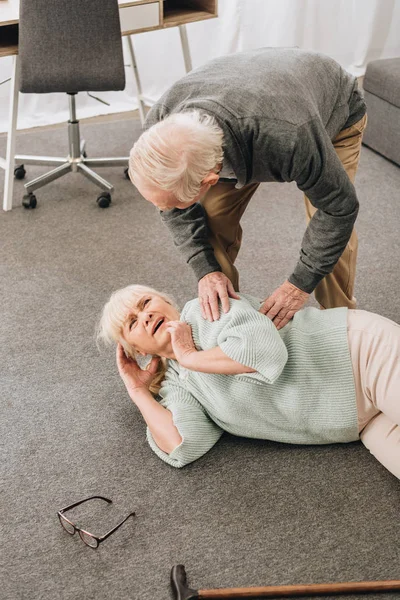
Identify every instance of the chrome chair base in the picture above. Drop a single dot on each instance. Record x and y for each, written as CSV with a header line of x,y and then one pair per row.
x,y
69,164
76,161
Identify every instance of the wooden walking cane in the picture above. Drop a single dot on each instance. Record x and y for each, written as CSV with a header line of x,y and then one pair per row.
x,y
182,592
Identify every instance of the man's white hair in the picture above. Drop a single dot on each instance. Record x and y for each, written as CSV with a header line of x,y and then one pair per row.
x,y
177,153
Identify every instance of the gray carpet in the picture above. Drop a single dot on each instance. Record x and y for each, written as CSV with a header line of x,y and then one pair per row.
x,y
249,512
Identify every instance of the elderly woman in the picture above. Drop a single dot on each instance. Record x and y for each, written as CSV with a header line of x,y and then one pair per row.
x,y
329,376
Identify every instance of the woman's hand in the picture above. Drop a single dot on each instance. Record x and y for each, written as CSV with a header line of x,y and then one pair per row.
x,y
182,343
132,375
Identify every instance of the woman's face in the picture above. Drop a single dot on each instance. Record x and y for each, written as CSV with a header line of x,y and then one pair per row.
x,y
145,328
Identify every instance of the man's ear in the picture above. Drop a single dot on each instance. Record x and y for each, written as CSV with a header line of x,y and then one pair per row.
x,y
210,179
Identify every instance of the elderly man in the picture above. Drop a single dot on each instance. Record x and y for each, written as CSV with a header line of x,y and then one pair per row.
x,y
272,114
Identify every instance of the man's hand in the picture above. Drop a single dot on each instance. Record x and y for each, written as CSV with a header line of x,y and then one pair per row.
x,y
132,375
182,342
212,287
284,303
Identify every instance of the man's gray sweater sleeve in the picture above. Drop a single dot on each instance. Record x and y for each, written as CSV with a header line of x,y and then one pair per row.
x,y
188,227
190,233
319,173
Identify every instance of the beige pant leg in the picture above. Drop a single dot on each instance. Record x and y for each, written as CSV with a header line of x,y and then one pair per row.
x,y
224,206
374,344
382,438
336,289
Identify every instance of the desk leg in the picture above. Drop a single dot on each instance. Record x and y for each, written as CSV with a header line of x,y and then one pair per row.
x,y
12,131
185,48
137,80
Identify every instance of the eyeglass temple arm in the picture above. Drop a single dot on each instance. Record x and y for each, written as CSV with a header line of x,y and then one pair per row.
x,y
103,537
85,500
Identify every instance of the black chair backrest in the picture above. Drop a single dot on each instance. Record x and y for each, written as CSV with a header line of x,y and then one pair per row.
x,y
70,46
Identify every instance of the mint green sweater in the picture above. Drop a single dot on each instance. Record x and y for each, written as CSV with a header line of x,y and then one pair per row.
x,y
302,393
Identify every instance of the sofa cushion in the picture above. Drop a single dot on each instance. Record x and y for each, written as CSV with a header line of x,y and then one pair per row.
x,y
382,78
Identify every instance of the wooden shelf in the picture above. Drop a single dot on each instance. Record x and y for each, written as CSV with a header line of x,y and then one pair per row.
x,y
179,12
139,16
9,40
181,17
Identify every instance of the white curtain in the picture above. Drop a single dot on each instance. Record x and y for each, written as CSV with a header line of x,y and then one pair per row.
x,y
353,32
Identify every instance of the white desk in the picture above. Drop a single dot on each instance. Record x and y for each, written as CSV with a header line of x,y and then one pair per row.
x,y
136,16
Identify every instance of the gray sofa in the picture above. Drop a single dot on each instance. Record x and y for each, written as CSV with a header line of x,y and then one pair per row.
x,y
382,94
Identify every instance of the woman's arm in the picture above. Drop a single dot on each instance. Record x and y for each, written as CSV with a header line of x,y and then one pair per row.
x,y
158,418
198,432
213,361
244,336
204,361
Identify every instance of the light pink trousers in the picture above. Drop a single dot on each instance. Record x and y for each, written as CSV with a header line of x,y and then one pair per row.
x,y
374,343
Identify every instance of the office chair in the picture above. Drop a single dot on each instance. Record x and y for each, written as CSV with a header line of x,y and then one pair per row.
x,y
70,46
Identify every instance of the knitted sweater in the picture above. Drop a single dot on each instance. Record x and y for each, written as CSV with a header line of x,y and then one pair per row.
x,y
302,391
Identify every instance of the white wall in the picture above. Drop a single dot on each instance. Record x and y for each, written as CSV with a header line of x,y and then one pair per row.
x,y
351,31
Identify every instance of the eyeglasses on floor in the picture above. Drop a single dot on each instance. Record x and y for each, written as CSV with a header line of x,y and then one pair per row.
x,y
88,538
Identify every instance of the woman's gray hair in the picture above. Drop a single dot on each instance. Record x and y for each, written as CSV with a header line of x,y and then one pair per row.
x,y
116,313
177,153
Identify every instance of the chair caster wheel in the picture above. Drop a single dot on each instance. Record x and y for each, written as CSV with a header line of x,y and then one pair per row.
x,y
84,154
104,200
29,200
126,172
19,172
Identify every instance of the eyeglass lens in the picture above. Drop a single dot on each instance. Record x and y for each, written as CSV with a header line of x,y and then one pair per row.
x,y
67,525
88,539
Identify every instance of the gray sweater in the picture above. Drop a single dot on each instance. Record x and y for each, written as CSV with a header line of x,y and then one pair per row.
x,y
279,109
302,391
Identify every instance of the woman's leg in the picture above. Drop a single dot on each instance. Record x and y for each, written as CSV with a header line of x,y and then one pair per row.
x,y
374,344
224,206
382,438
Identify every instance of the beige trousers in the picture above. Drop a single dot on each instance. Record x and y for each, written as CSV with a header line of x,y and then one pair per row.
x,y
336,289
374,344
225,205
